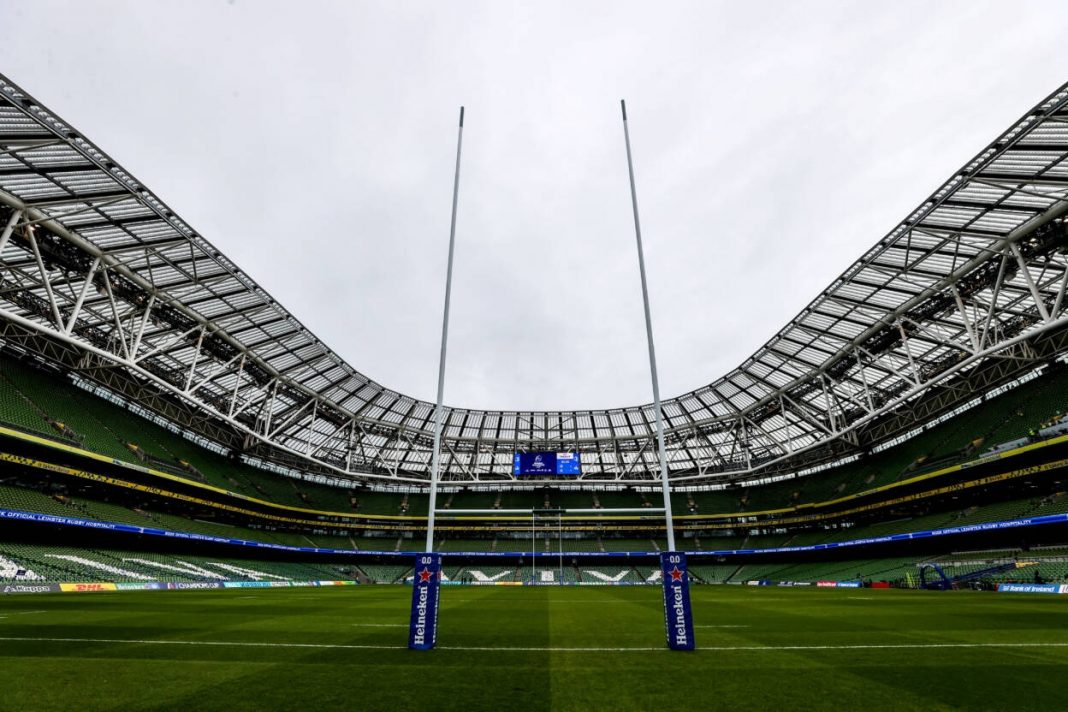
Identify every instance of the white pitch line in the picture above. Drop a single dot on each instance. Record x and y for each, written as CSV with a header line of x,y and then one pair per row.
x,y
538,649
590,600
215,643
380,625
721,626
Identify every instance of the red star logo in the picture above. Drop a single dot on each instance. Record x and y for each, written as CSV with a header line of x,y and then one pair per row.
x,y
424,575
676,575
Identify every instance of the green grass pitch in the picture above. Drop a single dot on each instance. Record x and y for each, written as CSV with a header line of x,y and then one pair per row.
x,y
566,648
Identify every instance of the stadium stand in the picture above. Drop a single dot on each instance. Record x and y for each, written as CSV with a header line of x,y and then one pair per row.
x,y
200,406
377,573
37,398
69,564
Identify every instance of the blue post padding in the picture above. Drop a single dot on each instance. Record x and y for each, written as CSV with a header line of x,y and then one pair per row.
x,y
426,587
678,616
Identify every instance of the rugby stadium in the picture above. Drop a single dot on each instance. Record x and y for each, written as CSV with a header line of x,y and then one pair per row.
x,y
202,505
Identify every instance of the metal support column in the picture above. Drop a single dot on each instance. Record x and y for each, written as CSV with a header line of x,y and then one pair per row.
x,y
9,228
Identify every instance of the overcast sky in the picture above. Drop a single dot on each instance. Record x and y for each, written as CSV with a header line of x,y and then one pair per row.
x,y
313,143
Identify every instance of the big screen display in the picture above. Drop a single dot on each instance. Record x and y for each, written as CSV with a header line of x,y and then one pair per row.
x,y
547,464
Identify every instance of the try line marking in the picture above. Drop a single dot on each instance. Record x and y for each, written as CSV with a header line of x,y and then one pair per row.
x,y
535,649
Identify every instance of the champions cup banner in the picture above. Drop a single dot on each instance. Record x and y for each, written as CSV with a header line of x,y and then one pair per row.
x,y
426,591
678,616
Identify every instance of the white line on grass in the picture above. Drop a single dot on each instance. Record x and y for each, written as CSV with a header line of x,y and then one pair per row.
x,y
721,626
591,600
537,604
216,643
380,625
536,649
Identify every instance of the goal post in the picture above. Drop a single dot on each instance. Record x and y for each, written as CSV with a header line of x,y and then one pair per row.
x,y
553,519
678,616
426,581
677,589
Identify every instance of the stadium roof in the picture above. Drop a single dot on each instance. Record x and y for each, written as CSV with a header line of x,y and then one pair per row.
x,y
99,274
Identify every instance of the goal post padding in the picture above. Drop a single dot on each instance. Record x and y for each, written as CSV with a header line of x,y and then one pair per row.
x,y
678,615
426,593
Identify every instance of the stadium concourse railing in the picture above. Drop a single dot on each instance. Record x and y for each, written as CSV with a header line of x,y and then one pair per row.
x,y
35,454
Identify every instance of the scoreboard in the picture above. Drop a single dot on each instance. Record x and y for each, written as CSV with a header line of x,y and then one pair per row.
x,y
547,463
568,463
